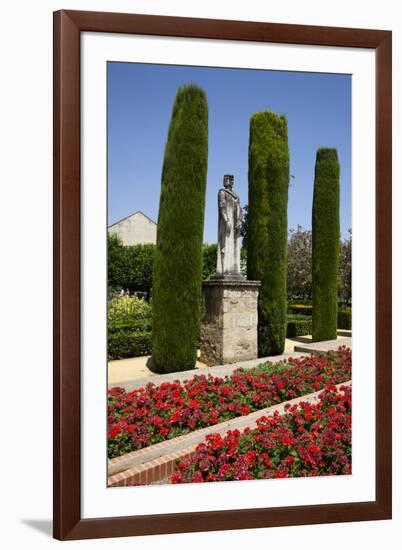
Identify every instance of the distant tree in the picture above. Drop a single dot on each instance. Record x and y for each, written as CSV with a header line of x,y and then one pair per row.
x,y
299,264
299,269
244,235
115,262
209,252
130,266
345,270
139,267
243,261
244,227
326,237
178,256
267,225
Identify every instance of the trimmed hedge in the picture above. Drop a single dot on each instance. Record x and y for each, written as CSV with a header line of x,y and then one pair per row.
x,y
268,226
344,315
326,235
300,309
134,325
129,327
298,325
178,260
126,343
345,319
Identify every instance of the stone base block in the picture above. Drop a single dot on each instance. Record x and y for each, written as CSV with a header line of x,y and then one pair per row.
x,y
229,327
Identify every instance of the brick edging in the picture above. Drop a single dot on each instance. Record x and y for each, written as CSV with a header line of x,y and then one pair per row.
x,y
150,472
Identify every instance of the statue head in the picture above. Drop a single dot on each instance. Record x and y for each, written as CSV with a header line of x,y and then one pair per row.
x,y
228,181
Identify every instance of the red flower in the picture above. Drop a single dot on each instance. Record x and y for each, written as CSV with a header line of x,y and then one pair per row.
x,y
197,477
280,447
114,431
279,474
148,415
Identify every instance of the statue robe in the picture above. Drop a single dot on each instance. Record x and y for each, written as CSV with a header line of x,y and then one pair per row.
x,y
230,218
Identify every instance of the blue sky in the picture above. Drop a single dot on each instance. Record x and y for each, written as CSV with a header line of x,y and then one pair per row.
x,y
140,100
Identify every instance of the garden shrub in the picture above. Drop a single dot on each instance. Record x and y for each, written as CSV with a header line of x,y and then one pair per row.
x,y
300,309
267,226
127,309
345,319
298,325
125,343
344,315
326,235
129,327
134,325
178,261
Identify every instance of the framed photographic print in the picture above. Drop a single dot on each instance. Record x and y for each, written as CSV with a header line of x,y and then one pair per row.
x,y
208,178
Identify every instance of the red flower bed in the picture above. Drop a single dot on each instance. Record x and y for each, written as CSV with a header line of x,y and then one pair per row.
x,y
310,440
152,414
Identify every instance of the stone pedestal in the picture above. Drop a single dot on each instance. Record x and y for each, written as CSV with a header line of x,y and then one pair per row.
x,y
229,327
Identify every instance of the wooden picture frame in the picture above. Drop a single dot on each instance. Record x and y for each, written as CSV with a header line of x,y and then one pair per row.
x,y
68,25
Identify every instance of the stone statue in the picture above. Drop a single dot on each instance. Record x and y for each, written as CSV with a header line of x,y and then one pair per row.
x,y
229,224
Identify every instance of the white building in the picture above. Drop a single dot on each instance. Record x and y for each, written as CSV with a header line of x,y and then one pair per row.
x,y
135,229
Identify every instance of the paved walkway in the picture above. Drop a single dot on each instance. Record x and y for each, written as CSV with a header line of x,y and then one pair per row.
x,y
218,370
123,370
136,372
320,347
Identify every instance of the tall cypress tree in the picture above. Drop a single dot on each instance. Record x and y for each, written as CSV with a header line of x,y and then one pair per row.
x,y
177,274
268,225
326,237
